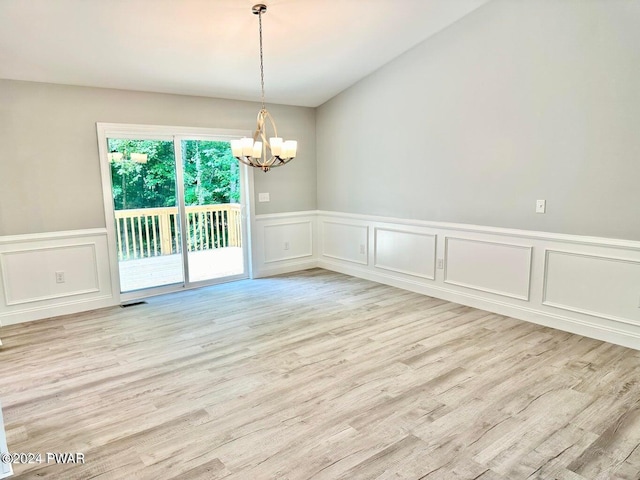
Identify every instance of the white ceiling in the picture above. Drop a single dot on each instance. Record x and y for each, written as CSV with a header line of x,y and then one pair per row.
x,y
312,49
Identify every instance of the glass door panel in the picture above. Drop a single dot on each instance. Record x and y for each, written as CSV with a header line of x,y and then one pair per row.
x,y
147,218
213,211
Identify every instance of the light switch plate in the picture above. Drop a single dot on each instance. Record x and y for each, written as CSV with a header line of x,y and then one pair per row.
x,y
541,206
263,197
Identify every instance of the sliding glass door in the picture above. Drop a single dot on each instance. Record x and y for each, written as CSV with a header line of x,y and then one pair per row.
x,y
213,210
146,213
176,203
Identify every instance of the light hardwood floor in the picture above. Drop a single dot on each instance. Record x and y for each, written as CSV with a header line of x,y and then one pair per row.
x,y
317,375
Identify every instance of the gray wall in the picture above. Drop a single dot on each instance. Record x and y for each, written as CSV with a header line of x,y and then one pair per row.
x,y
49,165
520,100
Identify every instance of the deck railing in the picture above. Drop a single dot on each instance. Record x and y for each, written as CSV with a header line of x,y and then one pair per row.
x,y
149,232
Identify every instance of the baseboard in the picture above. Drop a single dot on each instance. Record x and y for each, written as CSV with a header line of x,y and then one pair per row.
x,y
46,311
285,268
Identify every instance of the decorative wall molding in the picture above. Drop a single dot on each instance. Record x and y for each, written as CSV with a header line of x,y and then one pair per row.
x,y
596,285
513,280
272,231
38,262
266,217
38,237
505,232
505,271
416,256
288,240
492,267
345,241
28,266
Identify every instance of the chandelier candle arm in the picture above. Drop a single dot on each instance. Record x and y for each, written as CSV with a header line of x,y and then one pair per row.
x,y
262,151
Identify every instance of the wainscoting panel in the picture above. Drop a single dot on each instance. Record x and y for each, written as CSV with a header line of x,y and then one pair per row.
x,y
29,265
595,292
342,241
77,263
585,285
406,252
594,285
492,267
287,241
283,242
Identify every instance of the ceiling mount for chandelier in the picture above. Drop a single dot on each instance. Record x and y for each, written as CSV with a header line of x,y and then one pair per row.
x,y
262,151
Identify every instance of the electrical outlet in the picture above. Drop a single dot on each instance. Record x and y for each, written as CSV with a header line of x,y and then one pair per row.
x,y
263,197
286,245
440,263
59,277
541,206
362,250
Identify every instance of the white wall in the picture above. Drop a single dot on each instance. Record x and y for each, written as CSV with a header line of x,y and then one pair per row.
x,y
49,165
518,101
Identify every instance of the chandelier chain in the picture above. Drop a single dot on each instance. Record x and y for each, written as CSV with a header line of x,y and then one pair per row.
x,y
261,61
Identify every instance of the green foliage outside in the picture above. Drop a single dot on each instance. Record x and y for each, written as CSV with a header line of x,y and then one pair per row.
x,y
211,174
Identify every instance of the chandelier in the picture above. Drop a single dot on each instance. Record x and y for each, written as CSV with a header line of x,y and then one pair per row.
x,y
261,151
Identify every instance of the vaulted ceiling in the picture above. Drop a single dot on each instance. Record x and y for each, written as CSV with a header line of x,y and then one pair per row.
x,y
313,49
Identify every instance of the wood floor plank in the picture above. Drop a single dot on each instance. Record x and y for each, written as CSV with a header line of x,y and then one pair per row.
x,y
317,375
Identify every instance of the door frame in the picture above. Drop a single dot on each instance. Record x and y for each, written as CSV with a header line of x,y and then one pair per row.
x,y
174,134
